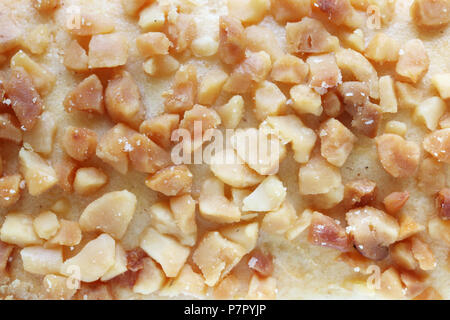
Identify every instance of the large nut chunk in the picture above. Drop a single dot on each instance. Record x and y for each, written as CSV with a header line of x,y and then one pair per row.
x,y
292,130
261,288
38,174
86,96
160,128
18,229
119,266
336,142
437,144
388,100
211,86
56,287
152,17
431,13
145,155
269,100
46,224
382,48
231,112
89,180
79,143
248,11
93,261
408,96
231,40
325,231
101,55
324,72
443,203
245,235
400,158
290,10
188,283
279,221
439,230
165,250
423,254
40,138
289,69
24,98
268,196
161,66
69,234
260,38
442,83
413,61
183,210
150,279
309,36
9,190
228,167
111,213
214,205
75,57
261,151
184,90
216,256
373,231
90,24
318,177
402,255
171,181
394,201
123,100
9,128
153,43
430,111
39,260
305,100
181,31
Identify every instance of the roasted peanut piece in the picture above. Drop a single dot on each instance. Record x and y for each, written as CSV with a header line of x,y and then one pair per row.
x,y
150,279
442,83
394,201
69,234
10,32
402,255
89,180
317,176
182,32
119,266
46,224
324,72
211,86
437,144
336,142
90,24
39,260
184,90
391,284
262,263
65,168
248,11
160,128
289,69
9,128
439,230
262,288
281,220
413,61
430,178
430,13
269,100
161,66
145,155
9,190
188,283
86,96
18,229
152,17
171,181
290,10
263,39
153,43
231,40
79,143
382,48
396,127
340,12
408,226
408,96
101,55
325,231
231,112
75,57
423,254
268,196
388,100
204,46
56,287
40,138
132,7
305,100
429,112
359,192
245,235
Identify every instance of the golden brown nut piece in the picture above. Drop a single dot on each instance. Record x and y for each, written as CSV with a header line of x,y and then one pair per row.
x,y
231,40
9,190
182,32
431,13
413,61
183,93
145,155
325,231
289,69
395,201
171,181
79,143
9,128
324,72
443,203
101,55
160,128
75,57
336,142
86,96
65,168
359,192
260,262
437,144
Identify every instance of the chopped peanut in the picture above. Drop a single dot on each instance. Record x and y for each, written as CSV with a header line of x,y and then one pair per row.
x,y
184,90
91,24
269,100
153,43
263,39
165,250
324,72
132,7
46,225
38,174
150,279
213,204
268,196
336,142
402,255
394,201
305,100
171,181
231,112
94,260
25,100
216,256
75,57
145,155
5,252
408,96
373,231
119,266
437,144
211,86
231,40
354,94
159,128
400,158
325,231
443,203
245,235
431,177
279,221
382,48
18,229
79,143
262,288
183,210
204,46
39,260
355,40
366,119
161,66
439,230
152,17
261,263
290,10
10,32
429,294
69,234
188,283
56,287
317,176
86,96
61,206
430,111
359,192
388,100
253,69
123,100
413,61
391,284
442,83
46,5
396,127
408,226
89,180
135,259
111,213
101,55
330,199
65,168
340,12
248,11
9,190
423,254
302,223
9,128
289,69
431,13
182,32
40,138
309,36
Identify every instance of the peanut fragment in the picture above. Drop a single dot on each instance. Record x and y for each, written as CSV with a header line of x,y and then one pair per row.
x,y
188,283
152,17
413,61
431,13
211,86
182,32
324,72
231,113
160,66
262,288
86,96
9,128
396,127
391,284
119,266
245,235
153,43
263,39
430,111
408,96
75,57
388,100
79,143
18,229
89,180
10,32
325,231
262,263
281,220
290,10
40,138
336,142
9,190
437,144
46,224
305,100
402,255
160,128
318,176
400,158
359,192
231,40
289,69
132,7
69,234
65,168
171,181
56,287
145,155
431,177
39,260
439,230
395,201
269,100
184,90
204,46
408,226
443,203
248,11
101,55
382,48
423,254
340,12
150,279
5,252
442,83
268,196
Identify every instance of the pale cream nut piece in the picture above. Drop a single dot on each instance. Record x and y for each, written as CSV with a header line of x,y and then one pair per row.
x,y
79,143
382,48
430,13
245,235
153,43
261,151
408,96
150,278
90,24
111,213
93,261
46,225
61,206
187,283
396,127
437,143
230,169
423,254
161,66
336,142
86,96
402,255
216,256
413,61
213,204
45,5
429,111
260,38
89,180
324,72
395,201
291,129
171,181
152,17
183,210
9,128
290,10
38,174
390,284
181,30
232,41
56,288
330,199
400,158
269,100
211,86
18,229
248,11
75,57
10,33
431,177
442,83
373,231
100,53
289,69
261,288
305,100
119,266
408,226
237,197
69,234
9,190
388,99
281,220
268,196
41,137
327,232
165,250
160,128
318,176
183,93
145,155
439,230
355,40
204,46
231,112
39,260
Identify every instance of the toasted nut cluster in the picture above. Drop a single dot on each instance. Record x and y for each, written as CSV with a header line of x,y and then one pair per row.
x,y
437,144
86,96
79,143
336,142
395,201
359,192
289,69
171,181
443,203
413,61
325,231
